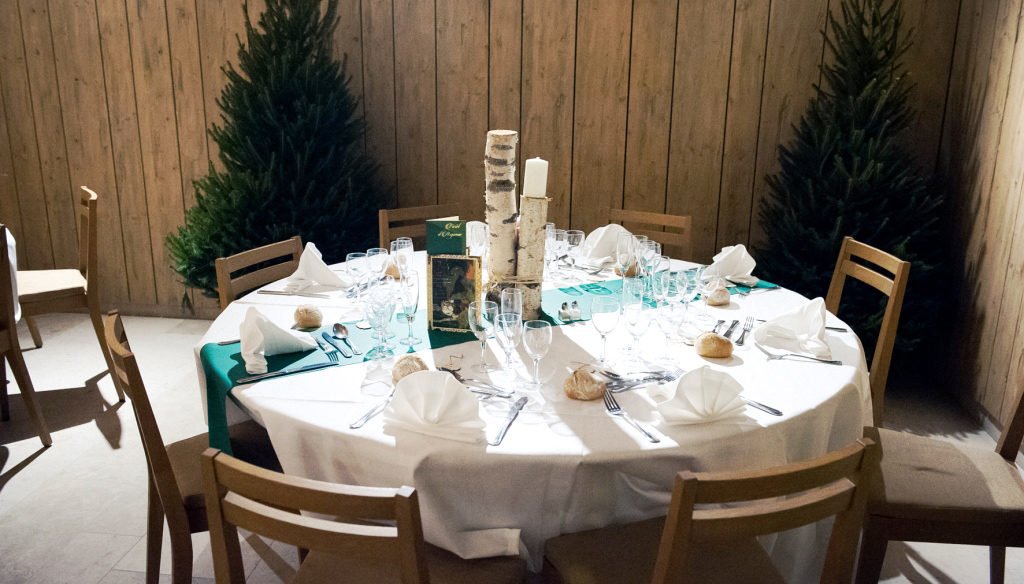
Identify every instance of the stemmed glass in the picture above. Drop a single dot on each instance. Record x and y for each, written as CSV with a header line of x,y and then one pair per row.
x,y
512,302
476,238
559,246
573,243
401,252
638,318
707,286
482,314
409,294
509,331
625,253
380,306
632,310
604,315
536,341
355,265
549,245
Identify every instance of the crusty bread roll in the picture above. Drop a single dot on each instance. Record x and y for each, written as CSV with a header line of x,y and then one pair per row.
x,y
720,297
393,271
630,273
583,384
405,365
308,316
713,345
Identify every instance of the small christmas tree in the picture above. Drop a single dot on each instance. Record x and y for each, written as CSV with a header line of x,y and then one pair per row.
x,y
291,145
846,172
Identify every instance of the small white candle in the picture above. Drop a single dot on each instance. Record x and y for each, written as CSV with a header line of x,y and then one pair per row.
x,y
535,178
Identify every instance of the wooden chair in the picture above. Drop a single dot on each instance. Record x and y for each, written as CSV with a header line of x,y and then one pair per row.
x,y
893,287
11,349
677,241
285,255
175,479
411,222
376,536
941,492
702,540
67,290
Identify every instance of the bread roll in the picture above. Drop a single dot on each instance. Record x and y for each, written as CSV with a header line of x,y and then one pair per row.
x,y
393,271
405,365
713,345
630,273
720,297
308,316
584,385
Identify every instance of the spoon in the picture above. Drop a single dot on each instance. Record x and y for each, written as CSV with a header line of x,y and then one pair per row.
x,y
340,332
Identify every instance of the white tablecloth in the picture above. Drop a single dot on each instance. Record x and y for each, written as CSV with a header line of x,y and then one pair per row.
x,y
565,465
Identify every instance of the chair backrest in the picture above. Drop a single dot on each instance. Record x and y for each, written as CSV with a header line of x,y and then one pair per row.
x,y
894,287
88,255
8,325
371,522
1013,432
411,222
126,375
285,255
676,243
751,502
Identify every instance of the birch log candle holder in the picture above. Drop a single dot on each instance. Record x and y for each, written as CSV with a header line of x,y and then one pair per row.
x,y
500,203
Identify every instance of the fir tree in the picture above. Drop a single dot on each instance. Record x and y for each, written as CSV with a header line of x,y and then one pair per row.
x,y
291,145
847,172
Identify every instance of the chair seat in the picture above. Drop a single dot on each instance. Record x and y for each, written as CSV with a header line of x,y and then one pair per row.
x,y
443,566
625,554
42,285
932,480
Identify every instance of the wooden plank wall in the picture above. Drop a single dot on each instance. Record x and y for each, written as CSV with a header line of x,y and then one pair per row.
x,y
662,105
982,162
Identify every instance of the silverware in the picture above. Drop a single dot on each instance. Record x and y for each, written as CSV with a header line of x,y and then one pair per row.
x,y
489,388
340,332
778,356
512,415
373,411
761,406
837,329
747,325
230,342
717,325
328,350
283,293
615,410
342,348
627,384
732,327
303,369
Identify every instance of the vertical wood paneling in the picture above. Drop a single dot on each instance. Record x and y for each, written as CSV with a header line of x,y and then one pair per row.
x,y
462,72
378,71
416,102
189,101
505,75
599,119
220,25
650,104
10,207
348,45
698,117
549,53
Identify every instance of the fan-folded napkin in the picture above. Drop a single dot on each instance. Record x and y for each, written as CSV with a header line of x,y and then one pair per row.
x,y
313,270
260,337
600,244
436,404
733,262
802,330
703,395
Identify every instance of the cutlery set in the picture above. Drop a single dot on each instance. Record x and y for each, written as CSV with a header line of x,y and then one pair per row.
x,y
747,325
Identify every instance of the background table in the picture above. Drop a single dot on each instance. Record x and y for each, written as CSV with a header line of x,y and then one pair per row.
x,y
565,465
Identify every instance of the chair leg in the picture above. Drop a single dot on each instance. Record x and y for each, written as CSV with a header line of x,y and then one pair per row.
x,y
997,564
28,393
872,554
97,325
181,557
5,407
154,535
33,330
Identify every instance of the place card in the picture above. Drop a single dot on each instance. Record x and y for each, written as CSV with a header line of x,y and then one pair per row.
x,y
446,237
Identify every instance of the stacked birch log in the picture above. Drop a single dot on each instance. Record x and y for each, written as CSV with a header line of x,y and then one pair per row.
x,y
516,245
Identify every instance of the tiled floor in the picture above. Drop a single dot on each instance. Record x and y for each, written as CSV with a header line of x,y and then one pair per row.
x,y
75,512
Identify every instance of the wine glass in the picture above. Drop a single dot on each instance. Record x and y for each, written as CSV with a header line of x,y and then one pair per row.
x,y
401,252
512,302
409,295
509,327
625,253
661,285
477,233
482,315
377,260
380,306
638,319
707,286
632,291
559,247
549,245
573,243
355,265
604,315
536,341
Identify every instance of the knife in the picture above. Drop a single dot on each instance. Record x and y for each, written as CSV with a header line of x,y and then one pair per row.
x,y
304,368
512,414
732,327
341,348
283,293
761,406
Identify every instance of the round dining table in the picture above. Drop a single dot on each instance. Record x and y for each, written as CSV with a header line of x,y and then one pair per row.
x,y
564,465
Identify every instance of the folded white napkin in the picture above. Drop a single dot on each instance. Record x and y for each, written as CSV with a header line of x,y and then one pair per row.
x,y
600,244
733,262
260,337
703,395
435,403
801,330
313,270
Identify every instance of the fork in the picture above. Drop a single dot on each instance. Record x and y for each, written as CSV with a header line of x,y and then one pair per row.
x,y
776,357
747,325
614,409
331,352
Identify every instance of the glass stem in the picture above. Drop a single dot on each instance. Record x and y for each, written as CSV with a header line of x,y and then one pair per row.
x,y
536,370
604,347
483,351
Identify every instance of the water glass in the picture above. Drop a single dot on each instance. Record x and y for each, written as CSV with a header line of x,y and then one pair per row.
x,y
536,341
477,234
625,253
377,258
409,295
401,253
482,315
512,302
632,291
380,307
509,330
638,319
604,315
559,247
574,243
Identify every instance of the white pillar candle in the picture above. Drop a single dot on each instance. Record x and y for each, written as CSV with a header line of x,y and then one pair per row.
x,y
535,178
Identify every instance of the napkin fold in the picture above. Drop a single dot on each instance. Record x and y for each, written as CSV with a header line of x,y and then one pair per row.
x,y
703,395
733,262
600,244
261,337
313,270
801,330
436,404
